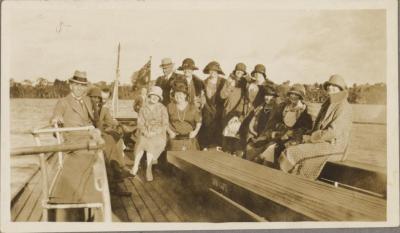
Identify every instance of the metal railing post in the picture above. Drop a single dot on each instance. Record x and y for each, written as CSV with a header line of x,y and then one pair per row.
x,y
45,185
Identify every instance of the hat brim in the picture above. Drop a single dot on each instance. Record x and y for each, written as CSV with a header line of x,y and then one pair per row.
x,y
159,96
333,84
188,68
77,81
253,72
207,71
296,93
166,65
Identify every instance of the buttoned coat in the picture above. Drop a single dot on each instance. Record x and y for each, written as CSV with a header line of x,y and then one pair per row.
x,y
74,114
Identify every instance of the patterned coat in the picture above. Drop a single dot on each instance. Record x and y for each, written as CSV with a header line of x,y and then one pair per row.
x,y
328,140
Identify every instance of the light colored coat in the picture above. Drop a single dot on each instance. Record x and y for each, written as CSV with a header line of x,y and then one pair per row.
x,y
328,142
74,114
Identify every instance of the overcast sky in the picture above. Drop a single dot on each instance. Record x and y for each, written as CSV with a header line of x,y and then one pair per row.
x,y
299,45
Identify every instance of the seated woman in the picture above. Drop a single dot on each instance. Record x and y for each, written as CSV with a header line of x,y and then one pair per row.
x,y
287,125
184,120
291,121
259,122
329,137
112,135
152,125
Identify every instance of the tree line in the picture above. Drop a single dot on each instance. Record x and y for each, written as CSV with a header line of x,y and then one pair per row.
x,y
42,88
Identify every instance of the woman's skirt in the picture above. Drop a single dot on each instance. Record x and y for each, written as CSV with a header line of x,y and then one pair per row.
x,y
154,144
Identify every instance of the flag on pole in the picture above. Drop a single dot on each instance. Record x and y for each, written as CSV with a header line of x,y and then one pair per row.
x,y
141,77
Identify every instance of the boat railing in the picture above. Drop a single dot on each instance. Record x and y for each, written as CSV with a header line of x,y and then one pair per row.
x,y
100,176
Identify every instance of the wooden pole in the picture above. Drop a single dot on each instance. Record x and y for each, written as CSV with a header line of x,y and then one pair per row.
x,y
116,83
45,184
91,145
60,154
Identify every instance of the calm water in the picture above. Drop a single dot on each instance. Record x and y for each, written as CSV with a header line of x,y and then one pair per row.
x,y
27,114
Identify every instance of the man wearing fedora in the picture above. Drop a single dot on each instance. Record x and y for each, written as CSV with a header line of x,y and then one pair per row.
x,y
75,110
165,81
195,85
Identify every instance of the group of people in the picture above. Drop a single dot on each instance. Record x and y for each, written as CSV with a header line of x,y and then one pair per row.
x,y
243,115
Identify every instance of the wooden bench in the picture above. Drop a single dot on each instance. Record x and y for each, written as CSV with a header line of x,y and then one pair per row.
x,y
272,194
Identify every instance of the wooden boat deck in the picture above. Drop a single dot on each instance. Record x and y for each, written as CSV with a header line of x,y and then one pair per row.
x,y
162,200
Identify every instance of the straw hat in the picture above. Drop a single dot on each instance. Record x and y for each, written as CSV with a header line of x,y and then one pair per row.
x,y
213,66
165,62
79,77
336,80
157,91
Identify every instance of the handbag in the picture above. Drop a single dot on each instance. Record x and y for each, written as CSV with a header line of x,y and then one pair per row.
x,y
232,128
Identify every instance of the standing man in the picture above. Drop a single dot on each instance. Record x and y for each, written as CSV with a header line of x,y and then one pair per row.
x,y
165,81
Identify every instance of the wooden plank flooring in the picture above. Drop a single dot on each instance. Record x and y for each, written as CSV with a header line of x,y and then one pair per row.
x,y
161,200
28,205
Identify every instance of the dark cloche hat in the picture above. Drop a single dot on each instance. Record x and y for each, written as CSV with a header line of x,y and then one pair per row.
x,y
240,66
214,65
188,63
180,86
259,68
269,90
94,92
297,89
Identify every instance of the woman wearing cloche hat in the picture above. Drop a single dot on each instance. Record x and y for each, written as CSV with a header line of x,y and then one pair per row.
x,y
210,134
329,137
152,125
288,124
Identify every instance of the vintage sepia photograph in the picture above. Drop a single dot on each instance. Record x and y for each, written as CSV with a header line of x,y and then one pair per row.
x,y
162,115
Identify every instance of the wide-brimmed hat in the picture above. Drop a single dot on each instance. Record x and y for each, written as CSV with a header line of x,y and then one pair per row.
x,y
157,91
165,62
269,90
79,77
240,66
259,68
297,89
188,63
214,65
180,86
94,92
336,80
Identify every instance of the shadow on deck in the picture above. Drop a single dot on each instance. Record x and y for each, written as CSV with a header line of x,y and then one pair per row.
x,y
165,199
